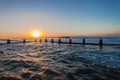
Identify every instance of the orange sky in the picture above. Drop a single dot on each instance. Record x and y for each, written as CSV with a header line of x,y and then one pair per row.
x,y
27,34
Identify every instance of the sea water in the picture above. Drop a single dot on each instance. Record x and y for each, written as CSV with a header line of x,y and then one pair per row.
x,y
47,61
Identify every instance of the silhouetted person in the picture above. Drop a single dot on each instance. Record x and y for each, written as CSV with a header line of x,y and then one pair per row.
x,y
59,40
52,40
70,41
24,40
84,42
8,41
100,42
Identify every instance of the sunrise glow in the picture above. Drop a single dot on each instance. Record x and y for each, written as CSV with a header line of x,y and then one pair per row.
x,y
36,34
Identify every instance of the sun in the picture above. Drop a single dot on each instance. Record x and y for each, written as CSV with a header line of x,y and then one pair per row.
x,y
36,34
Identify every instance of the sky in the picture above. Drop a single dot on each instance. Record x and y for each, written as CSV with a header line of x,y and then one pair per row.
x,y
59,17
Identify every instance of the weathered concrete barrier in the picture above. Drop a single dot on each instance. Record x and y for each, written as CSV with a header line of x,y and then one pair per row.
x,y
46,40
59,40
84,41
8,41
24,40
52,40
70,41
100,42
40,40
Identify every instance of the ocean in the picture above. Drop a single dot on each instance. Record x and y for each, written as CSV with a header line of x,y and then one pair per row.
x,y
53,61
